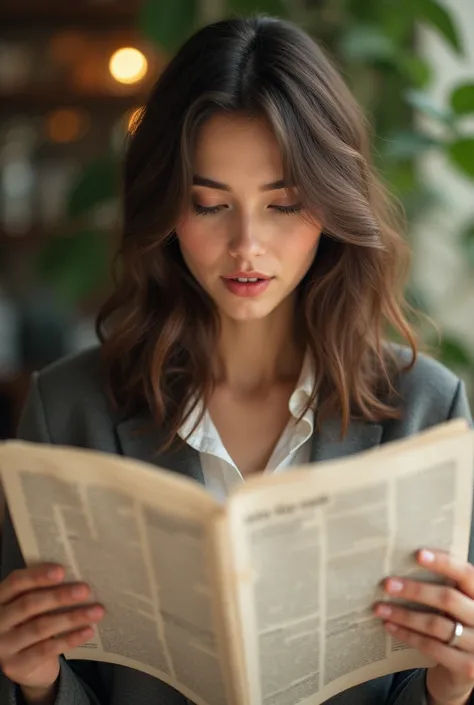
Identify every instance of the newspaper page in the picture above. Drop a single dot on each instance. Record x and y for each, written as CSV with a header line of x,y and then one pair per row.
x,y
311,548
144,545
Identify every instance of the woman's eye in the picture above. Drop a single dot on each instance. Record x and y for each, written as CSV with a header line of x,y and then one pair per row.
x,y
288,210
206,210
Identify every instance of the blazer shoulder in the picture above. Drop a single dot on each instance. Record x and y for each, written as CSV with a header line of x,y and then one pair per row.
x,y
427,373
81,368
72,394
429,392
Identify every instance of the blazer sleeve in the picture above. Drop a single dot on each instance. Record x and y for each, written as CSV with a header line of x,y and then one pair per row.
x,y
73,690
460,409
460,405
409,687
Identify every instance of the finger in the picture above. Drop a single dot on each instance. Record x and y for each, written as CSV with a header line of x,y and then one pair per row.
x,y
49,625
442,597
428,623
26,579
455,660
31,658
461,572
31,604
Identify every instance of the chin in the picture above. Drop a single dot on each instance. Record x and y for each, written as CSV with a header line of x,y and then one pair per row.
x,y
248,311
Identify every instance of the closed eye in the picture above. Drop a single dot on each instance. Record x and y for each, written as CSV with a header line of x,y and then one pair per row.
x,y
288,210
206,210
211,210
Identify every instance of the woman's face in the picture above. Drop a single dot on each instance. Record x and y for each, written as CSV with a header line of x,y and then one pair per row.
x,y
242,223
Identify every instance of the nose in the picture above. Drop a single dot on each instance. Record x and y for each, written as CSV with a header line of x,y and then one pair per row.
x,y
245,243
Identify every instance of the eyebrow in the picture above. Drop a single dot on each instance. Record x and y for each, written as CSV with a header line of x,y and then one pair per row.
x,y
210,183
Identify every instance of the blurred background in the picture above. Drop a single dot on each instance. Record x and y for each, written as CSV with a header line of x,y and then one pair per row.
x,y
73,78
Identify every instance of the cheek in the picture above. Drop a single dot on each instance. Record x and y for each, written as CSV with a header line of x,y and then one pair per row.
x,y
194,244
301,246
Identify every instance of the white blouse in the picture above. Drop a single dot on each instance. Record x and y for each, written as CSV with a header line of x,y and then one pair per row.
x,y
220,472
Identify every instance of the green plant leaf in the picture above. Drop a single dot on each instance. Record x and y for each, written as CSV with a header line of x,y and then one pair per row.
x,y
424,103
367,43
454,353
97,184
438,16
75,266
167,23
467,241
396,24
462,99
251,7
461,153
418,71
408,145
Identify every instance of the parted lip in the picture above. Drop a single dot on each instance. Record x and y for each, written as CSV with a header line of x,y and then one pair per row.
x,y
247,275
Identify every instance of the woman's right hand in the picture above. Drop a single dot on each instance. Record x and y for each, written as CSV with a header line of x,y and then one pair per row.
x,y
31,636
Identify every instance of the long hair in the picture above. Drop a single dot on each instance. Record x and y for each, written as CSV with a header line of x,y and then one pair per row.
x,y
159,328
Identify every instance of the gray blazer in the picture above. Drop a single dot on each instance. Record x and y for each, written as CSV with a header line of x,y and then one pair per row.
x,y
67,405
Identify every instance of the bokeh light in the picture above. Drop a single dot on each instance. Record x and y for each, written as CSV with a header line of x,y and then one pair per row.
x,y
15,65
128,65
66,125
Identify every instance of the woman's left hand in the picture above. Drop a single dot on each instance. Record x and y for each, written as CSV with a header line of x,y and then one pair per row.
x,y
449,639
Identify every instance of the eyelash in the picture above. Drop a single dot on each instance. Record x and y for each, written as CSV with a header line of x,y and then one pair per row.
x,y
212,210
201,210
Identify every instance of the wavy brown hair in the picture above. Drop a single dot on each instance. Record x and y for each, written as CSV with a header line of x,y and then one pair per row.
x,y
159,328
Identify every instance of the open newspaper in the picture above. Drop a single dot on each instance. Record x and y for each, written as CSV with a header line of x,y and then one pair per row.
x,y
266,600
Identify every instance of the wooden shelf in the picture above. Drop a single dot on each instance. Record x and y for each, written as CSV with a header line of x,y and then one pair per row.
x,y
58,13
32,101
32,238
34,235
38,235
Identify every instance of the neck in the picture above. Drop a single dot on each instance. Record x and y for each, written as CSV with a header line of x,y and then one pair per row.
x,y
254,355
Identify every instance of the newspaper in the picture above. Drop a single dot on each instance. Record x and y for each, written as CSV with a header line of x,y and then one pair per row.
x,y
266,600
143,541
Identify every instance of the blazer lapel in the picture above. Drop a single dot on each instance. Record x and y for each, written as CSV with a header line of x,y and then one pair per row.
x,y
327,443
138,439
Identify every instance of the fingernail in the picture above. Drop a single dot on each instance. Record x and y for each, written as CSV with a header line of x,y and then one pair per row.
x,y
79,592
393,585
86,633
391,627
95,612
55,573
383,610
427,556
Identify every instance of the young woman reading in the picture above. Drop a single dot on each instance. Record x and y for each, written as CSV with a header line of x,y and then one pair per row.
x,y
261,269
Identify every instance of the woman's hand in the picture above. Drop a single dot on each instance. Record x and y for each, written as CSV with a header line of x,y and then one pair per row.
x,y
448,638
31,636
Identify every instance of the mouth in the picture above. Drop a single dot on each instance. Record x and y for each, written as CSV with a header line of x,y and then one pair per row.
x,y
247,284
248,280
247,277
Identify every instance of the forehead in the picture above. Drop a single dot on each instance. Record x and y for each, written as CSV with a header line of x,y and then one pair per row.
x,y
229,144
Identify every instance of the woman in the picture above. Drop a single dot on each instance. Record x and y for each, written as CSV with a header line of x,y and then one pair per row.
x,y
261,269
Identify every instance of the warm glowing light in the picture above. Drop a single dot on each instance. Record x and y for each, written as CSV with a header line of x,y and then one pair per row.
x,y
134,118
66,125
128,65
